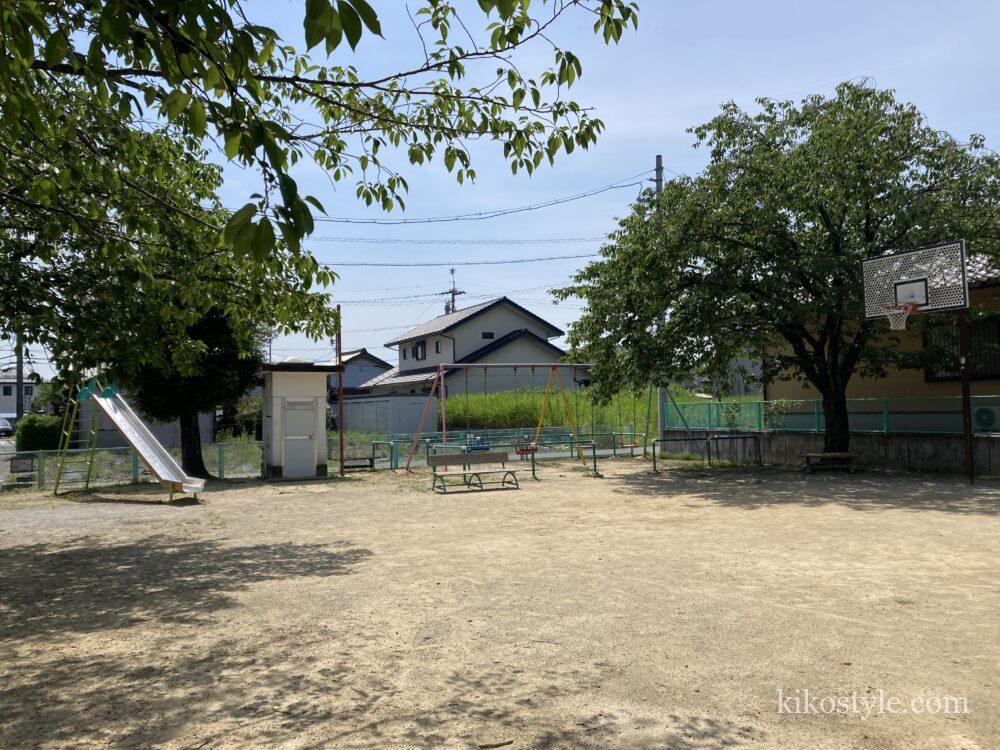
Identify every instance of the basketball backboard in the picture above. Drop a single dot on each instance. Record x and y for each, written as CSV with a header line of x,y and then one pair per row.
x,y
931,279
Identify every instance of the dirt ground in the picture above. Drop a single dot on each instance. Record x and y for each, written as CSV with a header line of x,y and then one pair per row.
x,y
633,611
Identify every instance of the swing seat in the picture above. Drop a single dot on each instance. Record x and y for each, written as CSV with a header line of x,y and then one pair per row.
x,y
476,444
525,449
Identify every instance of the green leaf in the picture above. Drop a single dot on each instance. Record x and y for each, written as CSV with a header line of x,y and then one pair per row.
x,y
316,203
317,21
238,221
56,48
197,114
263,241
350,22
232,147
174,103
368,15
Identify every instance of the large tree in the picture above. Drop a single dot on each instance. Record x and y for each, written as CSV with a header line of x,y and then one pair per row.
x,y
760,254
94,296
224,369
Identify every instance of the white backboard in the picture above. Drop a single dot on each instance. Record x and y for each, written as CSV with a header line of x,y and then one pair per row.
x,y
931,278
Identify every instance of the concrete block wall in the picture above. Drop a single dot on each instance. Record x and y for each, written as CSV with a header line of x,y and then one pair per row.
x,y
904,452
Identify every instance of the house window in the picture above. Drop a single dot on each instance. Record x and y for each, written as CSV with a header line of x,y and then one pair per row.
x,y
419,350
984,348
29,390
487,334
8,390
437,347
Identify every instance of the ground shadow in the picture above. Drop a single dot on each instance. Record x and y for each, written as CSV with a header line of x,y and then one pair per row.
x,y
85,586
265,694
762,488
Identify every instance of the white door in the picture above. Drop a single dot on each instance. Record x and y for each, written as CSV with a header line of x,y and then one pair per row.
x,y
300,439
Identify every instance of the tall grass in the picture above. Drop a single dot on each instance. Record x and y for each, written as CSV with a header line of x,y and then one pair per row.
x,y
522,407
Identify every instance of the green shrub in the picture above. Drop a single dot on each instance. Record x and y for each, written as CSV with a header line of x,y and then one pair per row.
x,y
38,432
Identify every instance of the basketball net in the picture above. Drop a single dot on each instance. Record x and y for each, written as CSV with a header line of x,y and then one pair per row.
x,y
898,313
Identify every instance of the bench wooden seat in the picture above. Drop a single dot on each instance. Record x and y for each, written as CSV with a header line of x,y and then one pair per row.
x,y
829,460
472,478
359,463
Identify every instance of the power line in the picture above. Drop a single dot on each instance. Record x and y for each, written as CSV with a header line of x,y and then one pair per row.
x,y
513,241
345,264
420,299
480,215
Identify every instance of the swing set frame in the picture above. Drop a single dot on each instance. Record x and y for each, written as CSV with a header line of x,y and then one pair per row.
x,y
440,390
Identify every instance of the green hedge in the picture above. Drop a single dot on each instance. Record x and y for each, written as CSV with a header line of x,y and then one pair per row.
x,y
38,432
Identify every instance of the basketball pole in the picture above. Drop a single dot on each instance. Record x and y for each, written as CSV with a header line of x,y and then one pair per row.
x,y
660,394
963,363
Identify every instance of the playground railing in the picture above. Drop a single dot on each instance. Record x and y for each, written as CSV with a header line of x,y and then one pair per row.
x,y
510,434
543,451
36,470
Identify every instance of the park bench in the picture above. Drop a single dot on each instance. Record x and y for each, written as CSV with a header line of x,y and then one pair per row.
x,y
359,463
829,460
22,464
470,477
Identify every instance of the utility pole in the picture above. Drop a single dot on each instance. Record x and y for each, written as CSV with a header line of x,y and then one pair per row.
x,y
19,376
450,307
661,393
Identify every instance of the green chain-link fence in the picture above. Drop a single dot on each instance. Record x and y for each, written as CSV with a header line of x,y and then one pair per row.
x,y
917,415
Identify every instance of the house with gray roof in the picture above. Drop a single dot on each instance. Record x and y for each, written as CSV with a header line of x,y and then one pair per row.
x,y
360,366
498,331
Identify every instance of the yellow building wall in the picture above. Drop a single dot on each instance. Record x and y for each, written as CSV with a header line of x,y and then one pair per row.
x,y
899,383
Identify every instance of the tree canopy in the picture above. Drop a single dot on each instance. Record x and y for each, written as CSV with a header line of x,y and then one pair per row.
x,y
89,303
209,70
760,254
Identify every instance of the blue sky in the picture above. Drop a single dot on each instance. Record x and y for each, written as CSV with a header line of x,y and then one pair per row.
x,y
684,61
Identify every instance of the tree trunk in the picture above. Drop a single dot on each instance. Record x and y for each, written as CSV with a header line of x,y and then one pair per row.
x,y
192,461
837,437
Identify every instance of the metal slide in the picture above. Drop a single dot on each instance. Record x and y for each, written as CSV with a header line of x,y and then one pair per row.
x,y
161,464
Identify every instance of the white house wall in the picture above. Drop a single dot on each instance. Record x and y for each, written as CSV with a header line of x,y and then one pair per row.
x,y
467,337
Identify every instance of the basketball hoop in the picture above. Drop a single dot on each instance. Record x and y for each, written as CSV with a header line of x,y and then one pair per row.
x,y
897,313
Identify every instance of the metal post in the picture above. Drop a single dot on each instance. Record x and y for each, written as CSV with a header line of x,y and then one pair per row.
x,y
222,460
340,389
135,467
885,415
661,398
40,470
19,376
443,398
963,361
760,416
